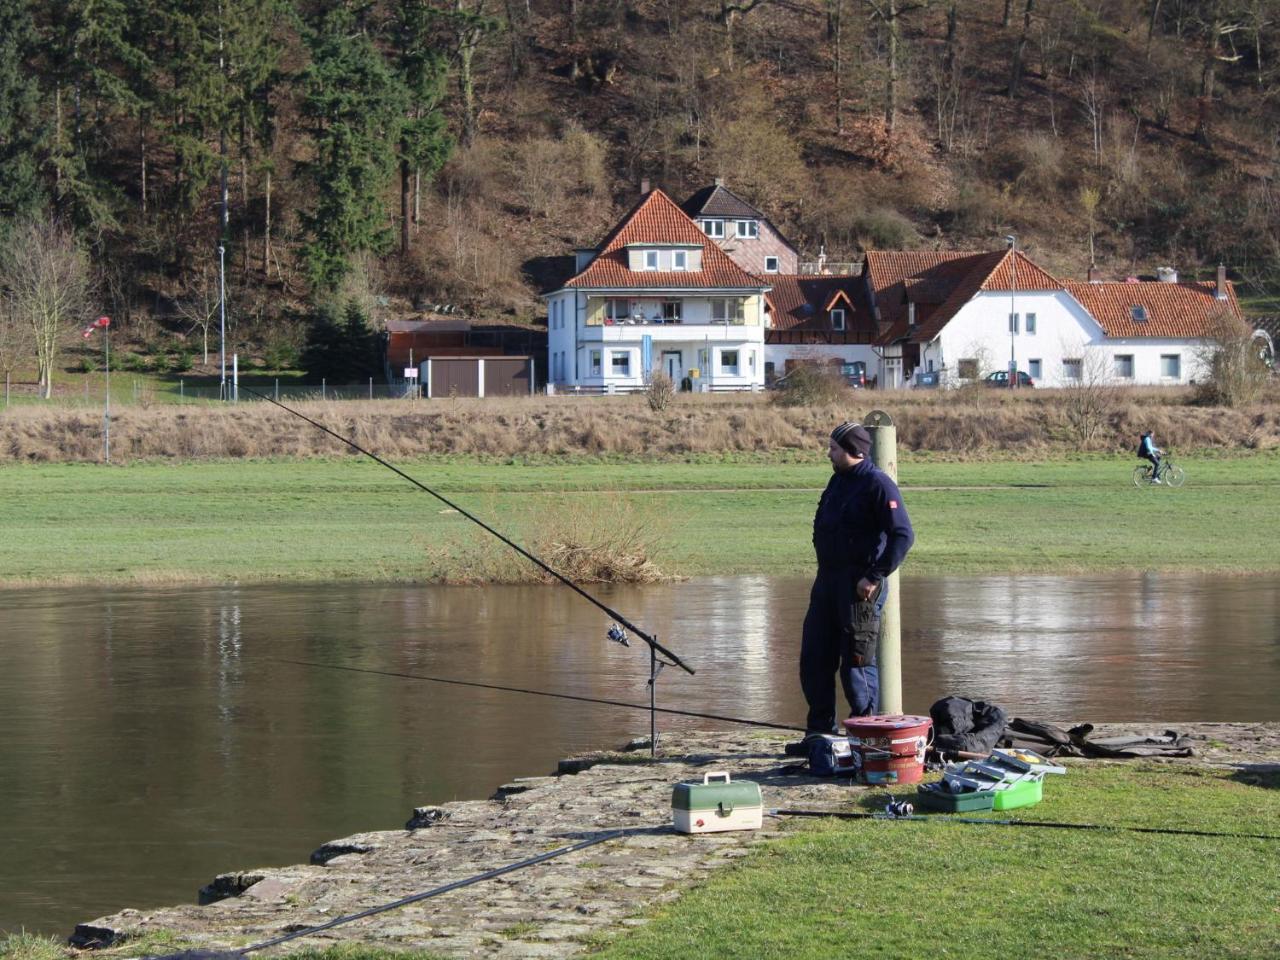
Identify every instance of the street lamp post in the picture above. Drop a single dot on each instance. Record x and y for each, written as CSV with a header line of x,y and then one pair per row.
x,y
1012,241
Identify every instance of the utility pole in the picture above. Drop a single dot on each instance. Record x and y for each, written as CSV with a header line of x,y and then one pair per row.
x,y
1013,313
222,318
884,454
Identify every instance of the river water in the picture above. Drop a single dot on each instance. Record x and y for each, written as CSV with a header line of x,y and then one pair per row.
x,y
154,738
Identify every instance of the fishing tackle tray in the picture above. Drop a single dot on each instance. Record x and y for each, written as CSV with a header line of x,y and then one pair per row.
x,y
713,806
933,796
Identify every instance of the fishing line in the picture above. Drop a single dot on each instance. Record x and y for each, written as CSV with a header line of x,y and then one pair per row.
x,y
647,638
541,693
1050,824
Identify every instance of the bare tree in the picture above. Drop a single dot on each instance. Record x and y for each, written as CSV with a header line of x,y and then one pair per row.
x,y
46,277
200,306
15,338
1092,397
1236,372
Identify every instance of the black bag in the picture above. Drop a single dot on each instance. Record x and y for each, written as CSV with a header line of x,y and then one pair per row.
x,y
973,726
862,631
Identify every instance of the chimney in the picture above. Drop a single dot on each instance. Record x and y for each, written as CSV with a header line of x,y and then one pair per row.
x,y
911,314
822,259
1221,293
1166,274
1093,273
719,181
644,186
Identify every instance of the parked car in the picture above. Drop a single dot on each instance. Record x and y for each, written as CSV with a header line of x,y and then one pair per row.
x,y
1000,378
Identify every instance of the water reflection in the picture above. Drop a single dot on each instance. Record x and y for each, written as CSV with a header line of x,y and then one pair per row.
x,y
155,737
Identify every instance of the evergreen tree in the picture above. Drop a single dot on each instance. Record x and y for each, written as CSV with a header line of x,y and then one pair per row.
x,y
355,108
21,128
425,143
341,346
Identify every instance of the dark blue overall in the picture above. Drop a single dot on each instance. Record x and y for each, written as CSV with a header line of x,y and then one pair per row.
x,y
861,530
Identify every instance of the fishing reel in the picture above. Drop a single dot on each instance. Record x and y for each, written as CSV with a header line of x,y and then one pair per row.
x,y
618,635
895,809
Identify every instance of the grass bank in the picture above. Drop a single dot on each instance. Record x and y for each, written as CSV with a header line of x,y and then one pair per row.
x,y
913,889
316,520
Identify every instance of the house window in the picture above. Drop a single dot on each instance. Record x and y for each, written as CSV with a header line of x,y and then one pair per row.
x,y
967,369
747,229
729,362
713,228
620,363
671,311
837,318
680,260
1171,366
595,363
1072,369
1033,366
770,264
1031,324
1013,323
617,309
726,311
1124,366
651,259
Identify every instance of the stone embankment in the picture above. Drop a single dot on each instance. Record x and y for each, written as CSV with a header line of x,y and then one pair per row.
x,y
556,908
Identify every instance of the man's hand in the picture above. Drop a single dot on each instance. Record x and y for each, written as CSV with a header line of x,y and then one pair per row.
x,y
865,589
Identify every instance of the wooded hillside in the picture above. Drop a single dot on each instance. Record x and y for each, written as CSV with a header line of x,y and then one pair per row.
x,y
448,150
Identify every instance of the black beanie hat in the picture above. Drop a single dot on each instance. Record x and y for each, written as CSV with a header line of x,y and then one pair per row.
x,y
853,438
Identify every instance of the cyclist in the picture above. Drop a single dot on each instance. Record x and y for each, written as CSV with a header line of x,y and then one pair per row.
x,y
1148,450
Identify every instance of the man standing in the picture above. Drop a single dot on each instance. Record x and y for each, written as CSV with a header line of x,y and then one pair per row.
x,y
861,534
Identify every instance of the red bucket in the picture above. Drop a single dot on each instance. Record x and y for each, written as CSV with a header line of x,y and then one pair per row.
x,y
892,747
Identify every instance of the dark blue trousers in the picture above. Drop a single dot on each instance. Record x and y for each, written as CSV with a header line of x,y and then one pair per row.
x,y
823,654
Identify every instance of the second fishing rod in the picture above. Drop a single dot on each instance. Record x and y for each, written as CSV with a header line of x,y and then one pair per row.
x,y
617,630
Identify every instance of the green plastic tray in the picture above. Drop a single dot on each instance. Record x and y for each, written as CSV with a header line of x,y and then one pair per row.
x,y
934,797
1021,793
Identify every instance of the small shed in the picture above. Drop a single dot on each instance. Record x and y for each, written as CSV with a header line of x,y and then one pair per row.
x,y
451,376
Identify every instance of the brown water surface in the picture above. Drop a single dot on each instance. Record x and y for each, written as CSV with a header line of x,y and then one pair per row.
x,y
154,738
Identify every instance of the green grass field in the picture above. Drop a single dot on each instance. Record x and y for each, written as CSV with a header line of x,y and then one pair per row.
x,y
337,519
908,889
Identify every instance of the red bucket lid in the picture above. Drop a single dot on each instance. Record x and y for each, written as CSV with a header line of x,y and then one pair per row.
x,y
883,724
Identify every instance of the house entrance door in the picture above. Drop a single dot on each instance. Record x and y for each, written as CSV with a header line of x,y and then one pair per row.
x,y
673,363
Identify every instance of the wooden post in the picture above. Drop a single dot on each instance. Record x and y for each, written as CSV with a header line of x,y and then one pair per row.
x,y
884,453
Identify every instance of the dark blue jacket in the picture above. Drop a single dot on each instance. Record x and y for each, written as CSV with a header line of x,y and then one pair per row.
x,y
861,527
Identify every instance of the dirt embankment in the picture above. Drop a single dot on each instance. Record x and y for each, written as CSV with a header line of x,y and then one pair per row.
x,y
965,424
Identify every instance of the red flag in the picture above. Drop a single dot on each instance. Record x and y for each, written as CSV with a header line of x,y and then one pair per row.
x,y
102,322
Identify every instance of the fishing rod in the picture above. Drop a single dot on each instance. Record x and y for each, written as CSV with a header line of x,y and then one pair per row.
x,y
395,904
617,631
983,821
539,693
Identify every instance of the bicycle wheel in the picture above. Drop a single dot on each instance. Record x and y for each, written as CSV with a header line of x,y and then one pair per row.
x,y
1142,475
1174,475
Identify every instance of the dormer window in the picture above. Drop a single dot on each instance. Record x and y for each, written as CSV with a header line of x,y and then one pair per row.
x,y
1139,313
747,229
770,264
713,228
680,260
837,318
651,259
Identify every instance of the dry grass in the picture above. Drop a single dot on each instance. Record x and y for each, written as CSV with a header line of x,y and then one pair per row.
x,y
588,541
969,424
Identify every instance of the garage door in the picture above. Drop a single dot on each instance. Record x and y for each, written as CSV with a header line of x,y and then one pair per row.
x,y
506,376
455,378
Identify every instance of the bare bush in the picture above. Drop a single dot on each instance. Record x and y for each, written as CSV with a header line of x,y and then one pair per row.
x,y
1090,401
810,385
1237,374
660,391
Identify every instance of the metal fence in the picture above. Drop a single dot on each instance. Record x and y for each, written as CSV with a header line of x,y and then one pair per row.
x,y
127,390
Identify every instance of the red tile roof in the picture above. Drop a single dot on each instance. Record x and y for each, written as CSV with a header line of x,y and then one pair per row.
x,y
657,219
1178,310
940,283
803,303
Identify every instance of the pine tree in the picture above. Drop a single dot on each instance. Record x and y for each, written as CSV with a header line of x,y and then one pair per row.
x,y
22,130
355,108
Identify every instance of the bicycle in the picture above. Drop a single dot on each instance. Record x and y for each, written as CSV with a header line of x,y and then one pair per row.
x,y
1170,474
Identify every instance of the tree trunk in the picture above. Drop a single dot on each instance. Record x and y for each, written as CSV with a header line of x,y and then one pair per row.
x,y
406,181
142,164
467,88
266,226
1008,14
891,91
1015,72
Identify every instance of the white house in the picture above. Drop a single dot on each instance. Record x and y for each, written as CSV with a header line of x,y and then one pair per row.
x,y
820,320
964,315
657,294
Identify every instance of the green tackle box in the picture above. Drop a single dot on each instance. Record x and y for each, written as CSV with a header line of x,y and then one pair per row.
x,y
717,803
1020,793
935,797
